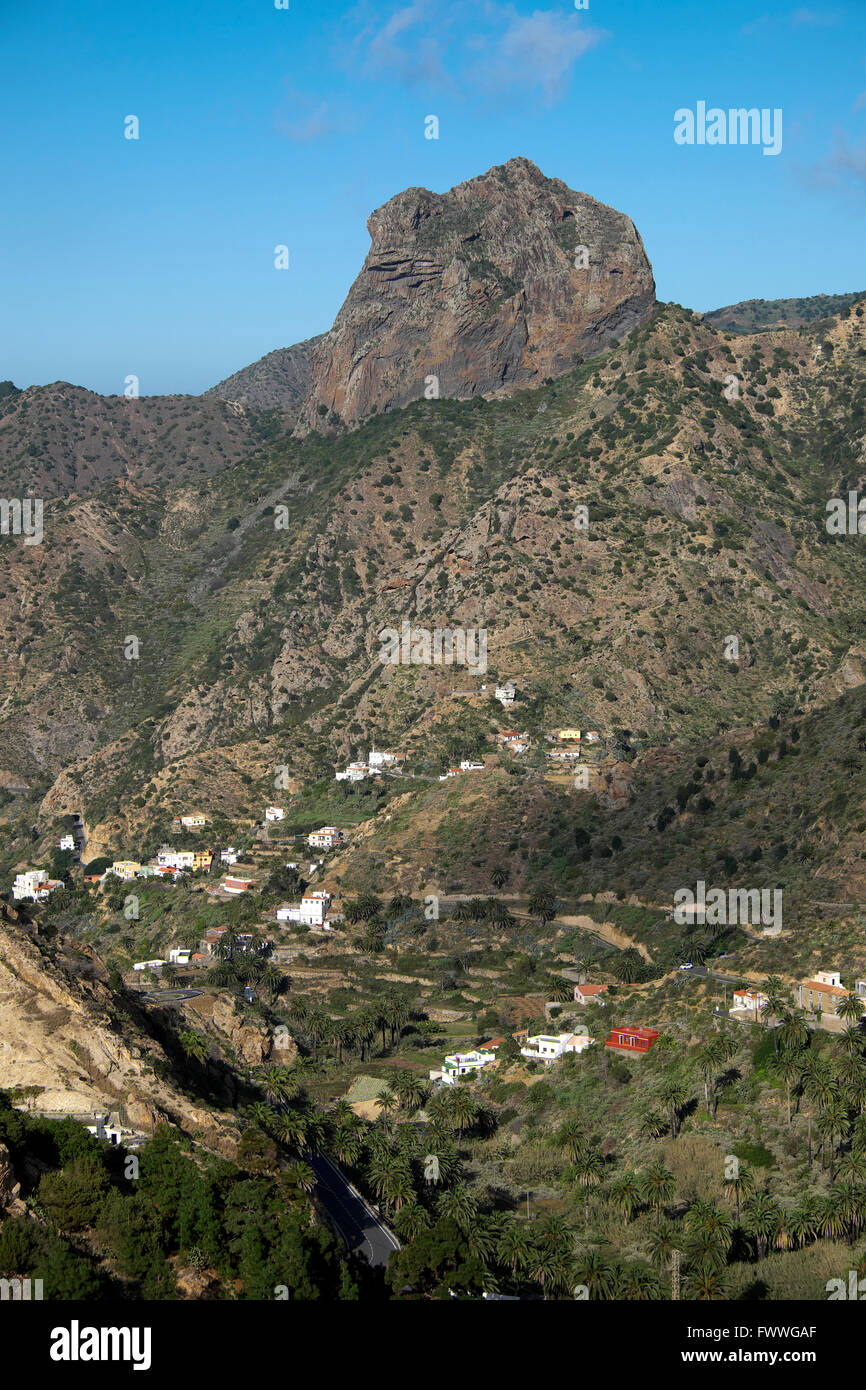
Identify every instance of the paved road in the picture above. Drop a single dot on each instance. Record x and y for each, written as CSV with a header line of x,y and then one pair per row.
x,y
359,1226
169,996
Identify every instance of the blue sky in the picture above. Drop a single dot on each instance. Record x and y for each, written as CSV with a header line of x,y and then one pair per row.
x,y
262,126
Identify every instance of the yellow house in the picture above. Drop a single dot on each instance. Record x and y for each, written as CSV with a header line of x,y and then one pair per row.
x,y
202,859
572,735
125,868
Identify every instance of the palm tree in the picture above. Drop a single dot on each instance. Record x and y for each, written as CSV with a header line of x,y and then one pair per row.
x,y
788,1068
459,1204
761,1219
462,1109
514,1248
542,904
589,1170
410,1221
346,1145
674,1097
292,1129
778,998
706,1285
659,1186
388,1101
832,1122
301,1175
792,1032
802,1225
639,1283
194,1045
850,1007
596,1273
277,1084
709,1055
662,1244
652,1125
273,980
570,1136
740,1184
625,1194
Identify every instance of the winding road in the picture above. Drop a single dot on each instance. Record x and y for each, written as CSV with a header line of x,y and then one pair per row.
x,y
354,1218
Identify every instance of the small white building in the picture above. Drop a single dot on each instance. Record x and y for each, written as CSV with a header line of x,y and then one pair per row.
x,y
149,964
229,856
179,955
274,813
505,694
168,858
67,842
462,1064
195,822
467,766
548,1047
311,910
27,883
378,759
355,772
748,1001
327,838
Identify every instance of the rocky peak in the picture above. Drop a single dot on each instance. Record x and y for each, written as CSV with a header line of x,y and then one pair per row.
x,y
483,288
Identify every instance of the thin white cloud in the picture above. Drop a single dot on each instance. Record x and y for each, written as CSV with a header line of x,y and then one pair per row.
x,y
829,19
538,50
468,45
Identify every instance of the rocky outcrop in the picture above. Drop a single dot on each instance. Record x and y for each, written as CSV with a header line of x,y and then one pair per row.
x,y
484,288
59,1045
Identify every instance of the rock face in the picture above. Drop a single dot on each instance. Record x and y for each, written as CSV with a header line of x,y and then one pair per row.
x,y
58,1041
281,379
483,288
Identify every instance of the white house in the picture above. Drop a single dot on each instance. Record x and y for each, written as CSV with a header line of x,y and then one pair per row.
x,y
593,736
107,1127
467,766
355,772
547,1047
274,813
748,1001
326,838
179,955
463,1064
378,758
229,856
312,910
168,858
149,964
34,885
196,822
67,842
505,694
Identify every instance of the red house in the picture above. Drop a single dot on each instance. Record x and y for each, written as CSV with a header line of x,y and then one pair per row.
x,y
629,1038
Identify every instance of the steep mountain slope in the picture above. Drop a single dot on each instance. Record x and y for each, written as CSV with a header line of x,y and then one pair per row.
x,y
258,628
281,379
61,439
484,288
62,1038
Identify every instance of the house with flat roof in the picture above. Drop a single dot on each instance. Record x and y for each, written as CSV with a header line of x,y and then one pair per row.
x,y
630,1038
549,1047
462,1064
